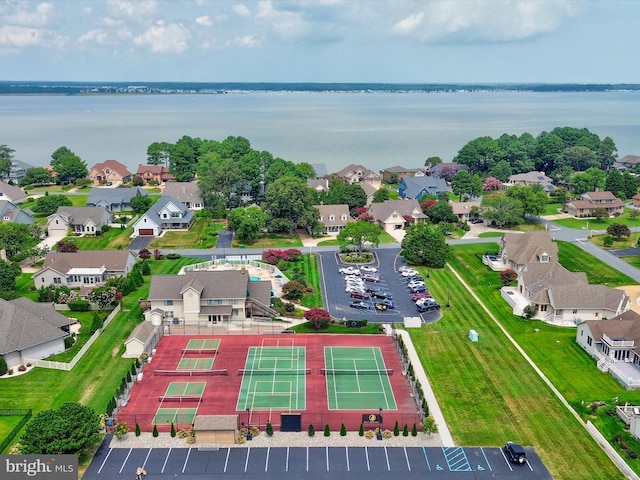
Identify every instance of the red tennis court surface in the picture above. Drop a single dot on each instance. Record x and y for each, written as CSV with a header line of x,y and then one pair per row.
x,y
221,392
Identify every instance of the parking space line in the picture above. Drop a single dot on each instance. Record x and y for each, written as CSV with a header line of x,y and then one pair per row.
x,y
226,460
266,462
326,453
406,456
125,460
456,458
530,467
346,453
246,461
486,459
105,460
286,464
165,461
386,454
424,451
506,459
184,467
307,459
366,453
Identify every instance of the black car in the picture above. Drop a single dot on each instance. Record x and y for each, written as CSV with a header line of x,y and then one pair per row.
x,y
515,453
361,304
382,294
387,304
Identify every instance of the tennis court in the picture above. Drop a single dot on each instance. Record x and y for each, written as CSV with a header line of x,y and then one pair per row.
x,y
202,345
195,364
274,377
357,379
179,392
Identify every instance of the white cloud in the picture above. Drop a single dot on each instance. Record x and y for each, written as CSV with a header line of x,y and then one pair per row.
x,y
87,10
242,10
19,14
204,21
409,24
246,41
162,38
15,37
287,24
96,35
138,10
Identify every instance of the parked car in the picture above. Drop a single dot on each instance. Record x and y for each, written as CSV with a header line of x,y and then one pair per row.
x,y
427,305
417,296
515,453
354,288
410,273
414,279
368,269
358,294
356,284
418,289
361,304
477,220
382,294
371,277
415,283
402,268
380,307
349,270
387,303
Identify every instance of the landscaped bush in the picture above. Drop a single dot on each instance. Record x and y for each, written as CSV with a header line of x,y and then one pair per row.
x,y
3,366
327,430
269,429
79,306
311,430
173,256
69,341
120,430
155,432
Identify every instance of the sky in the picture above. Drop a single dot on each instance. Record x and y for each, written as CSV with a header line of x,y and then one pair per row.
x,y
385,41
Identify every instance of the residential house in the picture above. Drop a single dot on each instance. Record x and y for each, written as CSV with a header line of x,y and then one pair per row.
x,y
628,162
114,199
635,200
14,194
562,297
186,192
614,346
109,172
320,169
397,214
358,174
84,268
462,210
530,178
209,297
10,212
397,173
520,249
418,187
333,217
589,201
31,331
80,220
167,213
370,190
157,174
17,171
319,184
436,170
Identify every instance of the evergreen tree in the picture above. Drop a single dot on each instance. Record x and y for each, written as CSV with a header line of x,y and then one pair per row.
x,y
414,430
361,431
615,183
312,430
269,429
396,429
137,429
327,430
155,431
173,430
343,430
405,430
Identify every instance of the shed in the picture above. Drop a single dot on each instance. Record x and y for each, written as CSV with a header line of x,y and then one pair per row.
x,y
473,335
216,429
140,339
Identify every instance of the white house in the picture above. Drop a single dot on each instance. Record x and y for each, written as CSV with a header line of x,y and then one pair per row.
x,y
81,220
167,213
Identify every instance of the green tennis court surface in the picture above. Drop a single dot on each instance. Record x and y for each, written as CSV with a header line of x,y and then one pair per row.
x,y
184,389
177,416
274,378
202,344
357,379
195,364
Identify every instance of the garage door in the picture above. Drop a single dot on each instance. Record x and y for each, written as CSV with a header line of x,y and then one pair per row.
x,y
145,231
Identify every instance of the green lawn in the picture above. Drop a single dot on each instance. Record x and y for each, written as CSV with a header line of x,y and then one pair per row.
x,y
202,234
307,265
272,241
371,328
625,219
552,209
487,391
575,259
490,234
113,239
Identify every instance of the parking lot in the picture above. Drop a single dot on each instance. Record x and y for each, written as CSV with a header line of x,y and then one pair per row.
x,y
387,263
314,463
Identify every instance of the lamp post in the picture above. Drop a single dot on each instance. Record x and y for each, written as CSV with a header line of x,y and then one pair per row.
x,y
249,435
379,436
428,272
448,303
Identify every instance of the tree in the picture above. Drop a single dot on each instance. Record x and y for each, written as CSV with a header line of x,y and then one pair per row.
x,y
533,198
183,159
429,426
618,230
36,253
529,311
600,213
431,161
354,196
425,244
491,184
590,180
17,238
502,211
102,296
630,185
359,234
8,276
318,317
67,430
466,185
6,156
35,176
448,172
289,204
614,183
501,170
381,195
507,276
442,211
247,223
140,203
480,155
158,153
66,246
293,290
67,165
48,205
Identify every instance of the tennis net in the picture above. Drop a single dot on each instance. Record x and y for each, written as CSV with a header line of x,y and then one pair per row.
x,y
299,371
189,373
199,350
338,371
179,398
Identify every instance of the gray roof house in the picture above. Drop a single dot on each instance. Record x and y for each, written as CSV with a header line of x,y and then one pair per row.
x,y
84,268
114,199
357,174
628,162
531,178
80,220
210,297
9,212
614,344
396,214
334,217
13,194
399,172
30,331
168,213
17,171
520,249
186,192
417,187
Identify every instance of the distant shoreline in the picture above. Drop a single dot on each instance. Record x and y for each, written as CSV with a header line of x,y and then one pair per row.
x,y
227,88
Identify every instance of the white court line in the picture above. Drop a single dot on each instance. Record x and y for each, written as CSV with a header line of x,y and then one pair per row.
x,y
165,461
184,467
226,460
246,462
266,463
346,454
105,460
125,461
406,456
144,464
366,454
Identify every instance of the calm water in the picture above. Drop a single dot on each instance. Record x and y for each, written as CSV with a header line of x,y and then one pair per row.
x,y
377,130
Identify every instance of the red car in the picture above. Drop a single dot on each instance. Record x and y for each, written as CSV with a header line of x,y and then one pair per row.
x,y
358,294
417,296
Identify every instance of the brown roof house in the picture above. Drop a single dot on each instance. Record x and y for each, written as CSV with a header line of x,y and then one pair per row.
x,y
614,344
589,201
333,217
319,184
81,220
210,297
394,215
30,331
531,178
358,174
462,210
396,173
562,297
520,249
628,162
157,174
109,171
186,192
84,268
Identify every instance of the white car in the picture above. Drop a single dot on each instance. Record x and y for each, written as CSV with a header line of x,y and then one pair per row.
x,y
349,270
368,269
415,284
410,273
354,288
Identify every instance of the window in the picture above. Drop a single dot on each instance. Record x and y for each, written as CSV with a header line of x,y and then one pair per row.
x,y
168,302
214,302
168,313
233,301
332,217
57,280
544,258
235,312
589,341
575,311
543,308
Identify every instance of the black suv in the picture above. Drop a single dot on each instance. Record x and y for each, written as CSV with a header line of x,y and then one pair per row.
x,y
515,453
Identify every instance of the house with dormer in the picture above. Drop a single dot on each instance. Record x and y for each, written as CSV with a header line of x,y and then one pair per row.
x,y
394,215
9,212
109,172
187,193
167,213
333,217
79,220
627,163
397,173
520,249
589,201
418,187
114,199
358,174
14,194
530,178
209,297
157,174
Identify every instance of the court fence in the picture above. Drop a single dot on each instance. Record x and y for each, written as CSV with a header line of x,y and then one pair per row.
x,y
26,414
407,369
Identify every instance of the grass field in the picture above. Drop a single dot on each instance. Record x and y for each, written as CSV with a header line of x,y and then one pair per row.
x,y
307,265
487,391
114,239
307,327
272,241
575,259
625,219
7,424
200,235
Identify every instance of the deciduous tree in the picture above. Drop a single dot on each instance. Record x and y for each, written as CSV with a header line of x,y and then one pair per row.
x,y
359,234
425,244
35,176
247,223
318,317
48,205
289,204
507,276
618,230
140,203
502,211
67,165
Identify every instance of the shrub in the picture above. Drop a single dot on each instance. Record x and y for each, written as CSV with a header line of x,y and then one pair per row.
x,y
145,268
405,430
173,256
79,306
22,368
293,290
396,429
369,434
361,431
311,430
343,430
327,430
69,341
269,429
3,366
173,430
137,429
414,430
155,431
120,430
529,311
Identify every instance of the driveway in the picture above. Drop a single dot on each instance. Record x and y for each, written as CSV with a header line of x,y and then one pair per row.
x,y
224,239
141,242
52,240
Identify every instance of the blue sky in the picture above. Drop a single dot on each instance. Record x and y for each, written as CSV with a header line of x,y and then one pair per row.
x,y
399,41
